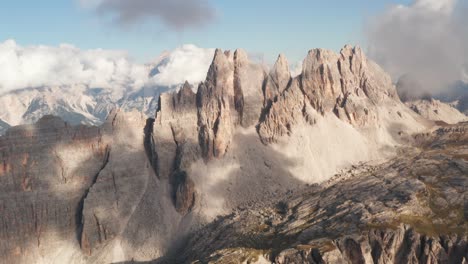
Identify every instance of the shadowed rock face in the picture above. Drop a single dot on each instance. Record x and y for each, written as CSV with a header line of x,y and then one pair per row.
x,y
80,193
46,170
247,139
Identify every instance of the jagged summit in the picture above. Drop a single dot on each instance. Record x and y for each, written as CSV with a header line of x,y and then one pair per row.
x,y
340,103
277,80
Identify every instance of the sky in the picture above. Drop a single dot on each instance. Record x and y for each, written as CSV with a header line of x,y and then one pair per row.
x,y
118,43
263,27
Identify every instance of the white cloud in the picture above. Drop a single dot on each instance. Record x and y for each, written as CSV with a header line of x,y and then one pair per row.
x,y
187,63
445,6
66,66
427,39
296,69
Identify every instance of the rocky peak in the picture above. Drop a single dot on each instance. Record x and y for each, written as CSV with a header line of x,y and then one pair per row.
x,y
240,57
346,84
321,78
186,88
278,79
185,98
281,68
219,78
231,95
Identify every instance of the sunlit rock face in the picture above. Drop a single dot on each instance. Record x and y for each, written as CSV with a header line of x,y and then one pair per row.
x,y
135,188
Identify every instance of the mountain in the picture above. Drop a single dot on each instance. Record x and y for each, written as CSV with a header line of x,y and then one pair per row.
x,y
410,90
76,105
254,166
436,110
81,104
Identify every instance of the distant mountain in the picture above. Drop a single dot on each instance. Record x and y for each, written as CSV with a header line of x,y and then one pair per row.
x,y
458,94
409,89
76,105
435,110
83,104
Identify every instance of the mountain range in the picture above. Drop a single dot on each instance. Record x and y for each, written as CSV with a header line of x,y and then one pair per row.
x,y
250,166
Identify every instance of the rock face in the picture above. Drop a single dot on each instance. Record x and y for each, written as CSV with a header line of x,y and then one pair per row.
x,y
81,193
42,186
176,144
436,110
231,94
411,209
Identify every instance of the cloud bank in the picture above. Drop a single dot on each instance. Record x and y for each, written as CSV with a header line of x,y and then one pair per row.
x,y
66,66
426,40
36,66
187,63
176,14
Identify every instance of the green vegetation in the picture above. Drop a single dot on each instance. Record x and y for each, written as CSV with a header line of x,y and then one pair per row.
x,y
236,255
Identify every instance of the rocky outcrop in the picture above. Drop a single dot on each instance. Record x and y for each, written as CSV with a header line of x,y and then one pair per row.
x,y
231,94
400,245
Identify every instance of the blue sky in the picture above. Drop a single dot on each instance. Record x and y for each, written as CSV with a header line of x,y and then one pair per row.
x,y
267,27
